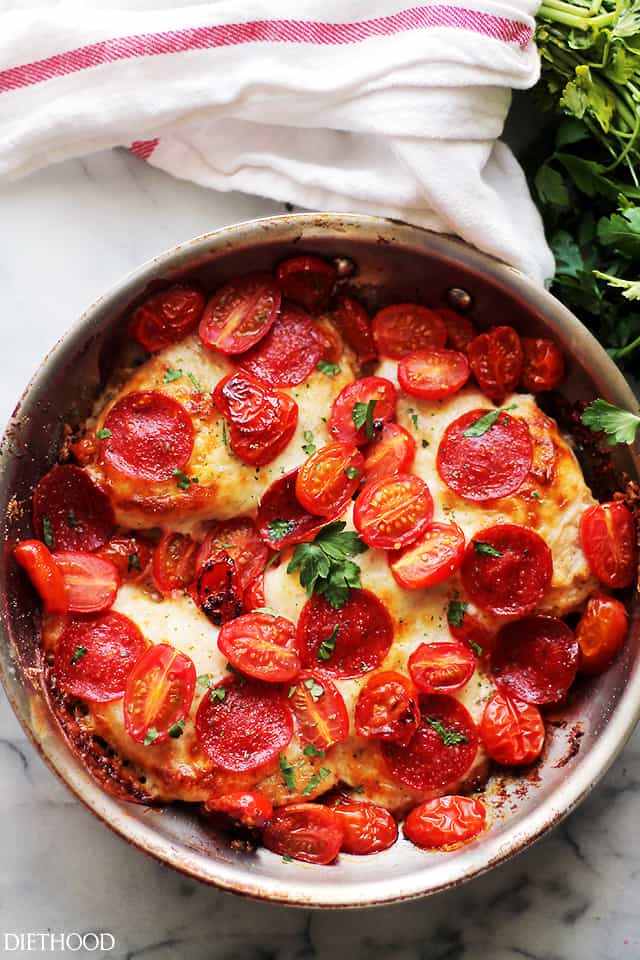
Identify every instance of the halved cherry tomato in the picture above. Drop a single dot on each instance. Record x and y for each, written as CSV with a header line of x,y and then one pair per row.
x,y
507,569
289,352
327,481
387,708
320,712
254,596
159,693
485,465
131,555
441,667
601,632
390,453
433,558
240,313
91,582
433,373
406,327
261,420
281,519
241,541
304,831
441,750
262,646
150,436
95,655
243,724
607,534
174,562
44,573
512,730
166,317
354,323
218,592
307,281
445,822
367,827
496,362
346,642
472,632
543,364
460,330
249,809
375,393
76,511
393,512
536,659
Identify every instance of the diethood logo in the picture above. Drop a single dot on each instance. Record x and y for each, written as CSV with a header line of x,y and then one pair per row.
x,y
50,942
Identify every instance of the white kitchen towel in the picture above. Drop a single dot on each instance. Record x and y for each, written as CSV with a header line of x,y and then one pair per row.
x,y
368,106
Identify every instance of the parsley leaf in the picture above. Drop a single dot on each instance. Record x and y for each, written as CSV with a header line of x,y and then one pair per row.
x,y
456,611
72,520
362,416
622,232
620,426
288,773
151,736
195,382
176,729
328,645
79,653
316,780
480,426
171,375
550,186
325,565
485,549
103,434
353,473
312,751
133,562
47,532
329,369
279,529
309,446
315,689
449,737
182,480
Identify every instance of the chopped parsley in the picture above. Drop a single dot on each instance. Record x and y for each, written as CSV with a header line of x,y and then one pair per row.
x,y
224,432
620,426
309,446
79,653
268,610
292,690
72,521
485,549
47,531
413,416
329,369
316,780
287,858
325,565
133,562
449,737
183,481
362,416
151,736
103,434
480,426
312,751
315,689
328,645
195,382
352,472
218,693
456,611
176,729
279,529
171,375
288,773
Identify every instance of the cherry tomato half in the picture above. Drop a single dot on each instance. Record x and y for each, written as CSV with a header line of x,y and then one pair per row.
x,y
445,822
543,364
261,420
289,352
601,632
76,512
460,330
361,408
327,481
261,646
217,590
44,573
305,831
91,582
281,519
496,362
406,327
252,810
253,596
95,656
536,659
441,667
159,693
367,827
433,374
173,564
387,708
240,540
131,555
354,323
320,712
140,426
433,558
512,730
607,534
391,452
306,280
240,313
166,317
393,512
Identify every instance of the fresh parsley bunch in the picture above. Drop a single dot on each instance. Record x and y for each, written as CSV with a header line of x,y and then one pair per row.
x,y
326,566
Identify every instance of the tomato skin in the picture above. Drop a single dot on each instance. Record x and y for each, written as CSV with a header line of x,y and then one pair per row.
x,y
460,330
159,692
254,596
536,659
445,822
392,452
279,503
218,591
367,827
321,718
250,809
601,632
289,352
261,420
512,730
496,362
173,564
543,364
45,575
67,491
441,667
433,374
393,512
430,560
472,632
305,831
341,425
323,486
387,708
91,583
240,313
114,645
240,540
261,646
607,535
166,317
130,555
306,280
354,323
406,327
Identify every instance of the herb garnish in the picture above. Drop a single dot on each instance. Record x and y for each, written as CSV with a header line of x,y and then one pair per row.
x,y
133,562
72,520
312,751
324,564
315,689
329,369
79,653
449,737
328,645
151,736
352,472
183,481
171,375
362,416
620,426
176,729
288,773
456,611
316,780
103,434
480,426
195,382
47,531
485,549
279,529
309,446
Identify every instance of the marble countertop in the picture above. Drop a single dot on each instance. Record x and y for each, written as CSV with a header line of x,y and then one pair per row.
x,y
67,234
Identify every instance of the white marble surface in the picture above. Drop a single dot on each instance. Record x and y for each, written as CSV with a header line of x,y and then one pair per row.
x,y
65,235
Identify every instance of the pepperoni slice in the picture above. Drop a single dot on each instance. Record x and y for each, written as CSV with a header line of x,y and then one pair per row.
x,y
240,313
346,642
390,453
387,708
460,330
70,511
445,822
95,655
512,731
433,558
354,323
289,352
608,538
307,280
321,715
150,436
393,512
507,569
367,828
441,667
242,725
361,408
543,364
240,540
281,520
484,464
433,374
496,362
91,583
305,831
406,327
166,317
327,481
159,694
262,646
536,659
441,751
261,420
